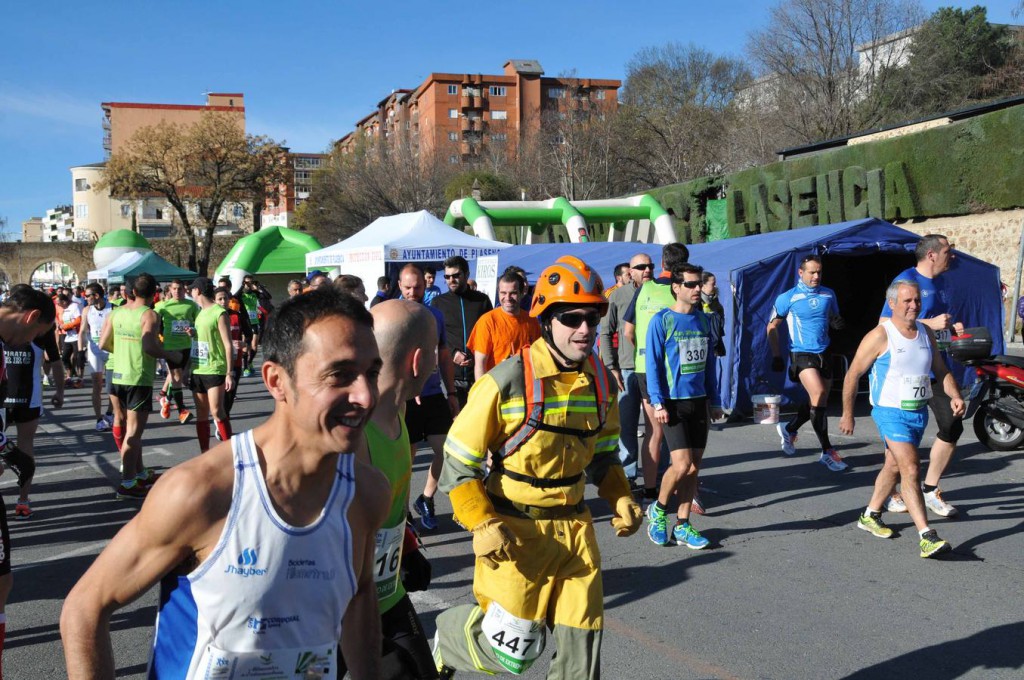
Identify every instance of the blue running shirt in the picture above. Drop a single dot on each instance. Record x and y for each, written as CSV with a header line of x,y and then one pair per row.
x,y
807,312
678,353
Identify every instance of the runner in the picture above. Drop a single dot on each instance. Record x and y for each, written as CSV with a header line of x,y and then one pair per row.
x,y
213,358
522,411
132,331
24,405
809,310
251,298
25,314
934,255
88,345
681,382
70,321
902,356
178,318
408,360
263,546
222,296
502,332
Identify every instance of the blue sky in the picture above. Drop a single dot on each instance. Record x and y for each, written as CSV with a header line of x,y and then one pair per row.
x,y
308,70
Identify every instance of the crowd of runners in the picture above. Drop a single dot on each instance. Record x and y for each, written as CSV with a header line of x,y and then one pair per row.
x,y
296,537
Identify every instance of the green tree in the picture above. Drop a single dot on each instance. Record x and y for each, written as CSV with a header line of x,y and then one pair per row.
x,y
492,187
199,169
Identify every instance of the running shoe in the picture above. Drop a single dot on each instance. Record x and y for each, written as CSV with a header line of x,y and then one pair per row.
x,y
247,373
102,425
184,416
651,511
135,491
148,476
788,439
874,525
895,503
424,507
932,545
832,461
22,510
696,507
109,418
657,526
165,408
686,535
933,499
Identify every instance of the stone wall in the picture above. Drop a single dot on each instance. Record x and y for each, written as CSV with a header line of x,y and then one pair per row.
x,y
175,250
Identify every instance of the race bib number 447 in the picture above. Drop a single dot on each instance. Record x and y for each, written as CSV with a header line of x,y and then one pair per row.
x,y
516,642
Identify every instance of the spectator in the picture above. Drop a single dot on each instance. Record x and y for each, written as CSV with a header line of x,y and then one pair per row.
x,y
504,331
295,287
714,311
316,279
383,290
461,308
622,278
351,285
431,290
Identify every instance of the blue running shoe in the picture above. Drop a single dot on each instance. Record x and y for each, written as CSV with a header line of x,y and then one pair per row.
x,y
424,507
657,527
686,535
652,511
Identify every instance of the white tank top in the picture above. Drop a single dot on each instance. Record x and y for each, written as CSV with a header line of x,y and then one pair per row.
x,y
269,600
95,318
901,377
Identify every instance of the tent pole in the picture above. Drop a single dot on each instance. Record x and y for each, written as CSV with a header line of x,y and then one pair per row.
x,y
1012,325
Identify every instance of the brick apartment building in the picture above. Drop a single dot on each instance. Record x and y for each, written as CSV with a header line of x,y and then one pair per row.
x,y
462,115
279,209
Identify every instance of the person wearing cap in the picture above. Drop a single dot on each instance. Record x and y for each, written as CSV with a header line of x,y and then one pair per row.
x,y
549,418
316,278
213,362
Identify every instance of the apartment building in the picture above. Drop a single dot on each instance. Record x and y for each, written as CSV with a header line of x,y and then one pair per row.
x,y
279,209
97,212
465,115
32,230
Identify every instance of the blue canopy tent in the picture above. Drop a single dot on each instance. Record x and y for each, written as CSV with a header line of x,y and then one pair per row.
x,y
860,258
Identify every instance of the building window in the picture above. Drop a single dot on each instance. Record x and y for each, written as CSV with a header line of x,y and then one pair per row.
x,y
81,185
81,210
499,137
559,139
126,210
453,159
600,94
497,90
556,92
303,174
453,113
453,136
453,89
499,115
239,211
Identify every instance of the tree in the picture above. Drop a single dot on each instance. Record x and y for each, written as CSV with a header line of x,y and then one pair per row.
x,y
493,187
198,169
677,105
820,60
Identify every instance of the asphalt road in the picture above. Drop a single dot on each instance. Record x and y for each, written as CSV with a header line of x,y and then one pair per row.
x,y
789,589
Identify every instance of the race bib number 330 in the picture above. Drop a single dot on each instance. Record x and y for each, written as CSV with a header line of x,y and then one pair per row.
x,y
693,355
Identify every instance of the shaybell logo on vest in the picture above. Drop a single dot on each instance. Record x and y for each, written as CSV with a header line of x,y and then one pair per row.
x,y
247,560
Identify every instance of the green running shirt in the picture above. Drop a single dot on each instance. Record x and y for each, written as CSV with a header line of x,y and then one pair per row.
x,y
132,366
177,316
652,298
208,356
394,458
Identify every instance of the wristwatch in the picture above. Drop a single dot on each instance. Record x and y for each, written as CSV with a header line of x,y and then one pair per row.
x,y
659,407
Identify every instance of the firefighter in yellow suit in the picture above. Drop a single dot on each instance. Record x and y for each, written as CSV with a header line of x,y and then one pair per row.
x,y
549,418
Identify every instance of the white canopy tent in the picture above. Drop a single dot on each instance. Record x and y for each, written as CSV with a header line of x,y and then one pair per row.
x,y
408,237
122,262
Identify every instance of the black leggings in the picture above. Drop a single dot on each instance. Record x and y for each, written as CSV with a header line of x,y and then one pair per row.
x,y
69,357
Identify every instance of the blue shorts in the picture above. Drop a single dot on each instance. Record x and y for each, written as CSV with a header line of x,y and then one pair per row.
x,y
897,425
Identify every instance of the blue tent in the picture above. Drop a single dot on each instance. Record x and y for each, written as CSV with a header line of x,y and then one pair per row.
x,y
860,258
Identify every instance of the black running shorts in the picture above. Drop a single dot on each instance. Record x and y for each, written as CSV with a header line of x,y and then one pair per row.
x,y
429,417
5,541
798,361
201,383
134,397
687,426
23,414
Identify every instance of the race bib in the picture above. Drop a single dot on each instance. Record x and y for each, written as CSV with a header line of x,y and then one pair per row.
x,y
387,558
516,642
201,352
180,326
318,663
943,339
915,391
94,333
693,355
253,315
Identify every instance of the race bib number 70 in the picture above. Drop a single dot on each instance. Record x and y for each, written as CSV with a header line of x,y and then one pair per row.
x,y
915,391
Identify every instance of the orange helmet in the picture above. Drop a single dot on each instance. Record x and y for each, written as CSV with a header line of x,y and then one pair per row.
x,y
568,281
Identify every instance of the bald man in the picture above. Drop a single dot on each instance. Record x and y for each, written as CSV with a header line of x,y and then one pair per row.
x,y
408,358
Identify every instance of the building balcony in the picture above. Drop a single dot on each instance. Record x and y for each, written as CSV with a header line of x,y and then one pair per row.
x,y
472,102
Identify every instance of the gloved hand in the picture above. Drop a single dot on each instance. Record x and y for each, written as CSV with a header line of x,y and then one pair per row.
x,y
494,542
778,365
627,518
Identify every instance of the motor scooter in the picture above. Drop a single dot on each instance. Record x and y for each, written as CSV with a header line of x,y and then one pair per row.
x,y
996,400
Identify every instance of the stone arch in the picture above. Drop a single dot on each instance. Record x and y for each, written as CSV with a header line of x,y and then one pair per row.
x,y
19,260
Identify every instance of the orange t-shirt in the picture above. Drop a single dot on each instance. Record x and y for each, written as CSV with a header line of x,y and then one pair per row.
x,y
500,335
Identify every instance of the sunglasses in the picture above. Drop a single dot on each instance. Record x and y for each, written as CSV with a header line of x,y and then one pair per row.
x,y
449,277
689,284
576,319
643,267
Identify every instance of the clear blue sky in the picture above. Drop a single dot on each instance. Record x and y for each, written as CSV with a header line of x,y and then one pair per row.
x,y
308,70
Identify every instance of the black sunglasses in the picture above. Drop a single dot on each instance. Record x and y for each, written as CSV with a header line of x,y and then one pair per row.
x,y
576,319
642,267
456,275
689,284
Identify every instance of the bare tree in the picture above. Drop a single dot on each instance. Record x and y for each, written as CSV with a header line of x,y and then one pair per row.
x,y
820,60
198,169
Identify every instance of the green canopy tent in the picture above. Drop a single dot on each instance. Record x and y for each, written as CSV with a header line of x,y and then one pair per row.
x,y
273,255
151,263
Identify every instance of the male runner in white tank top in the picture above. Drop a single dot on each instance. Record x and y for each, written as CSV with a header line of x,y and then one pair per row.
x,y
264,544
900,353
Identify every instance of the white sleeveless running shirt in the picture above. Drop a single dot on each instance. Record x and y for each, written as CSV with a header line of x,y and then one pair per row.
x,y
269,600
96,317
901,376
